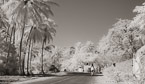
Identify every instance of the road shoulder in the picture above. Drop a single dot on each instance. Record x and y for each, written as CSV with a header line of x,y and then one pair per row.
x,y
33,80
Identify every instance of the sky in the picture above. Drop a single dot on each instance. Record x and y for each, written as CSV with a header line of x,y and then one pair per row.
x,y
89,20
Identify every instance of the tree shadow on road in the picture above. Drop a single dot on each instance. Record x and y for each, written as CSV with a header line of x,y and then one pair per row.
x,y
64,74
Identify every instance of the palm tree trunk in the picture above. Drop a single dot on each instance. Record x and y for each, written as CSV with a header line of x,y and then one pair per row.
x,y
14,35
28,58
9,48
31,59
42,57
29,52
21,65
7,33
21,42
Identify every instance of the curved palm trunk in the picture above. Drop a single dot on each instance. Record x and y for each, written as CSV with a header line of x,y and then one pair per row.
x,y
42,69
21,65
29,52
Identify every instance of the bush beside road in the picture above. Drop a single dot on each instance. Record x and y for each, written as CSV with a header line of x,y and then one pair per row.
x,y
122,73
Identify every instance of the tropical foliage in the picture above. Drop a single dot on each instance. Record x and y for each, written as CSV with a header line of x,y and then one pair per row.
x,y
27,30
126,41
25,23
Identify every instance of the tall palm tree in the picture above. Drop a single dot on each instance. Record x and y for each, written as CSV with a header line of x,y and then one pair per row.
x,y
25,11
44,33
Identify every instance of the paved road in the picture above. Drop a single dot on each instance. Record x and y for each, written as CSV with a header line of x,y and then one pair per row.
x,y
77,78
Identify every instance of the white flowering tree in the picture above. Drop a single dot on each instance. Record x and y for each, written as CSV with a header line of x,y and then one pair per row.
x,y
84,53
139,22
121,42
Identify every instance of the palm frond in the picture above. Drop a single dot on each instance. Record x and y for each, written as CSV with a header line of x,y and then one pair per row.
x,y
36,35
51,3
52,31
36,11
18,8
45,13
45,7
33,17
48,36
37,14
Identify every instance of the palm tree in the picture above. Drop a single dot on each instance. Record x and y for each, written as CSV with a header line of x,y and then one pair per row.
x,y
47,36
25,11
34,36
42,34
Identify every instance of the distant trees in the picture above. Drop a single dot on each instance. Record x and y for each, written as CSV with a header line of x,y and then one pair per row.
x,y
82,53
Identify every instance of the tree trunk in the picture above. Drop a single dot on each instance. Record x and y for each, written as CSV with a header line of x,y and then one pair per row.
x,y
21,67
9,48
42,70
29,52
7,33
31,60
21,42
14,36
28,58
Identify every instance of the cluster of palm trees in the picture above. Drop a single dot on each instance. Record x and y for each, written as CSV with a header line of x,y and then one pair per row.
x,y
30,21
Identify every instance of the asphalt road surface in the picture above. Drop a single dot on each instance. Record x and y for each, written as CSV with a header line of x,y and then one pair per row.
x,y
73,78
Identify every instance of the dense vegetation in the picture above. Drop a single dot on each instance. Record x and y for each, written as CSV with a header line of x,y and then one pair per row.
x,y
26,32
